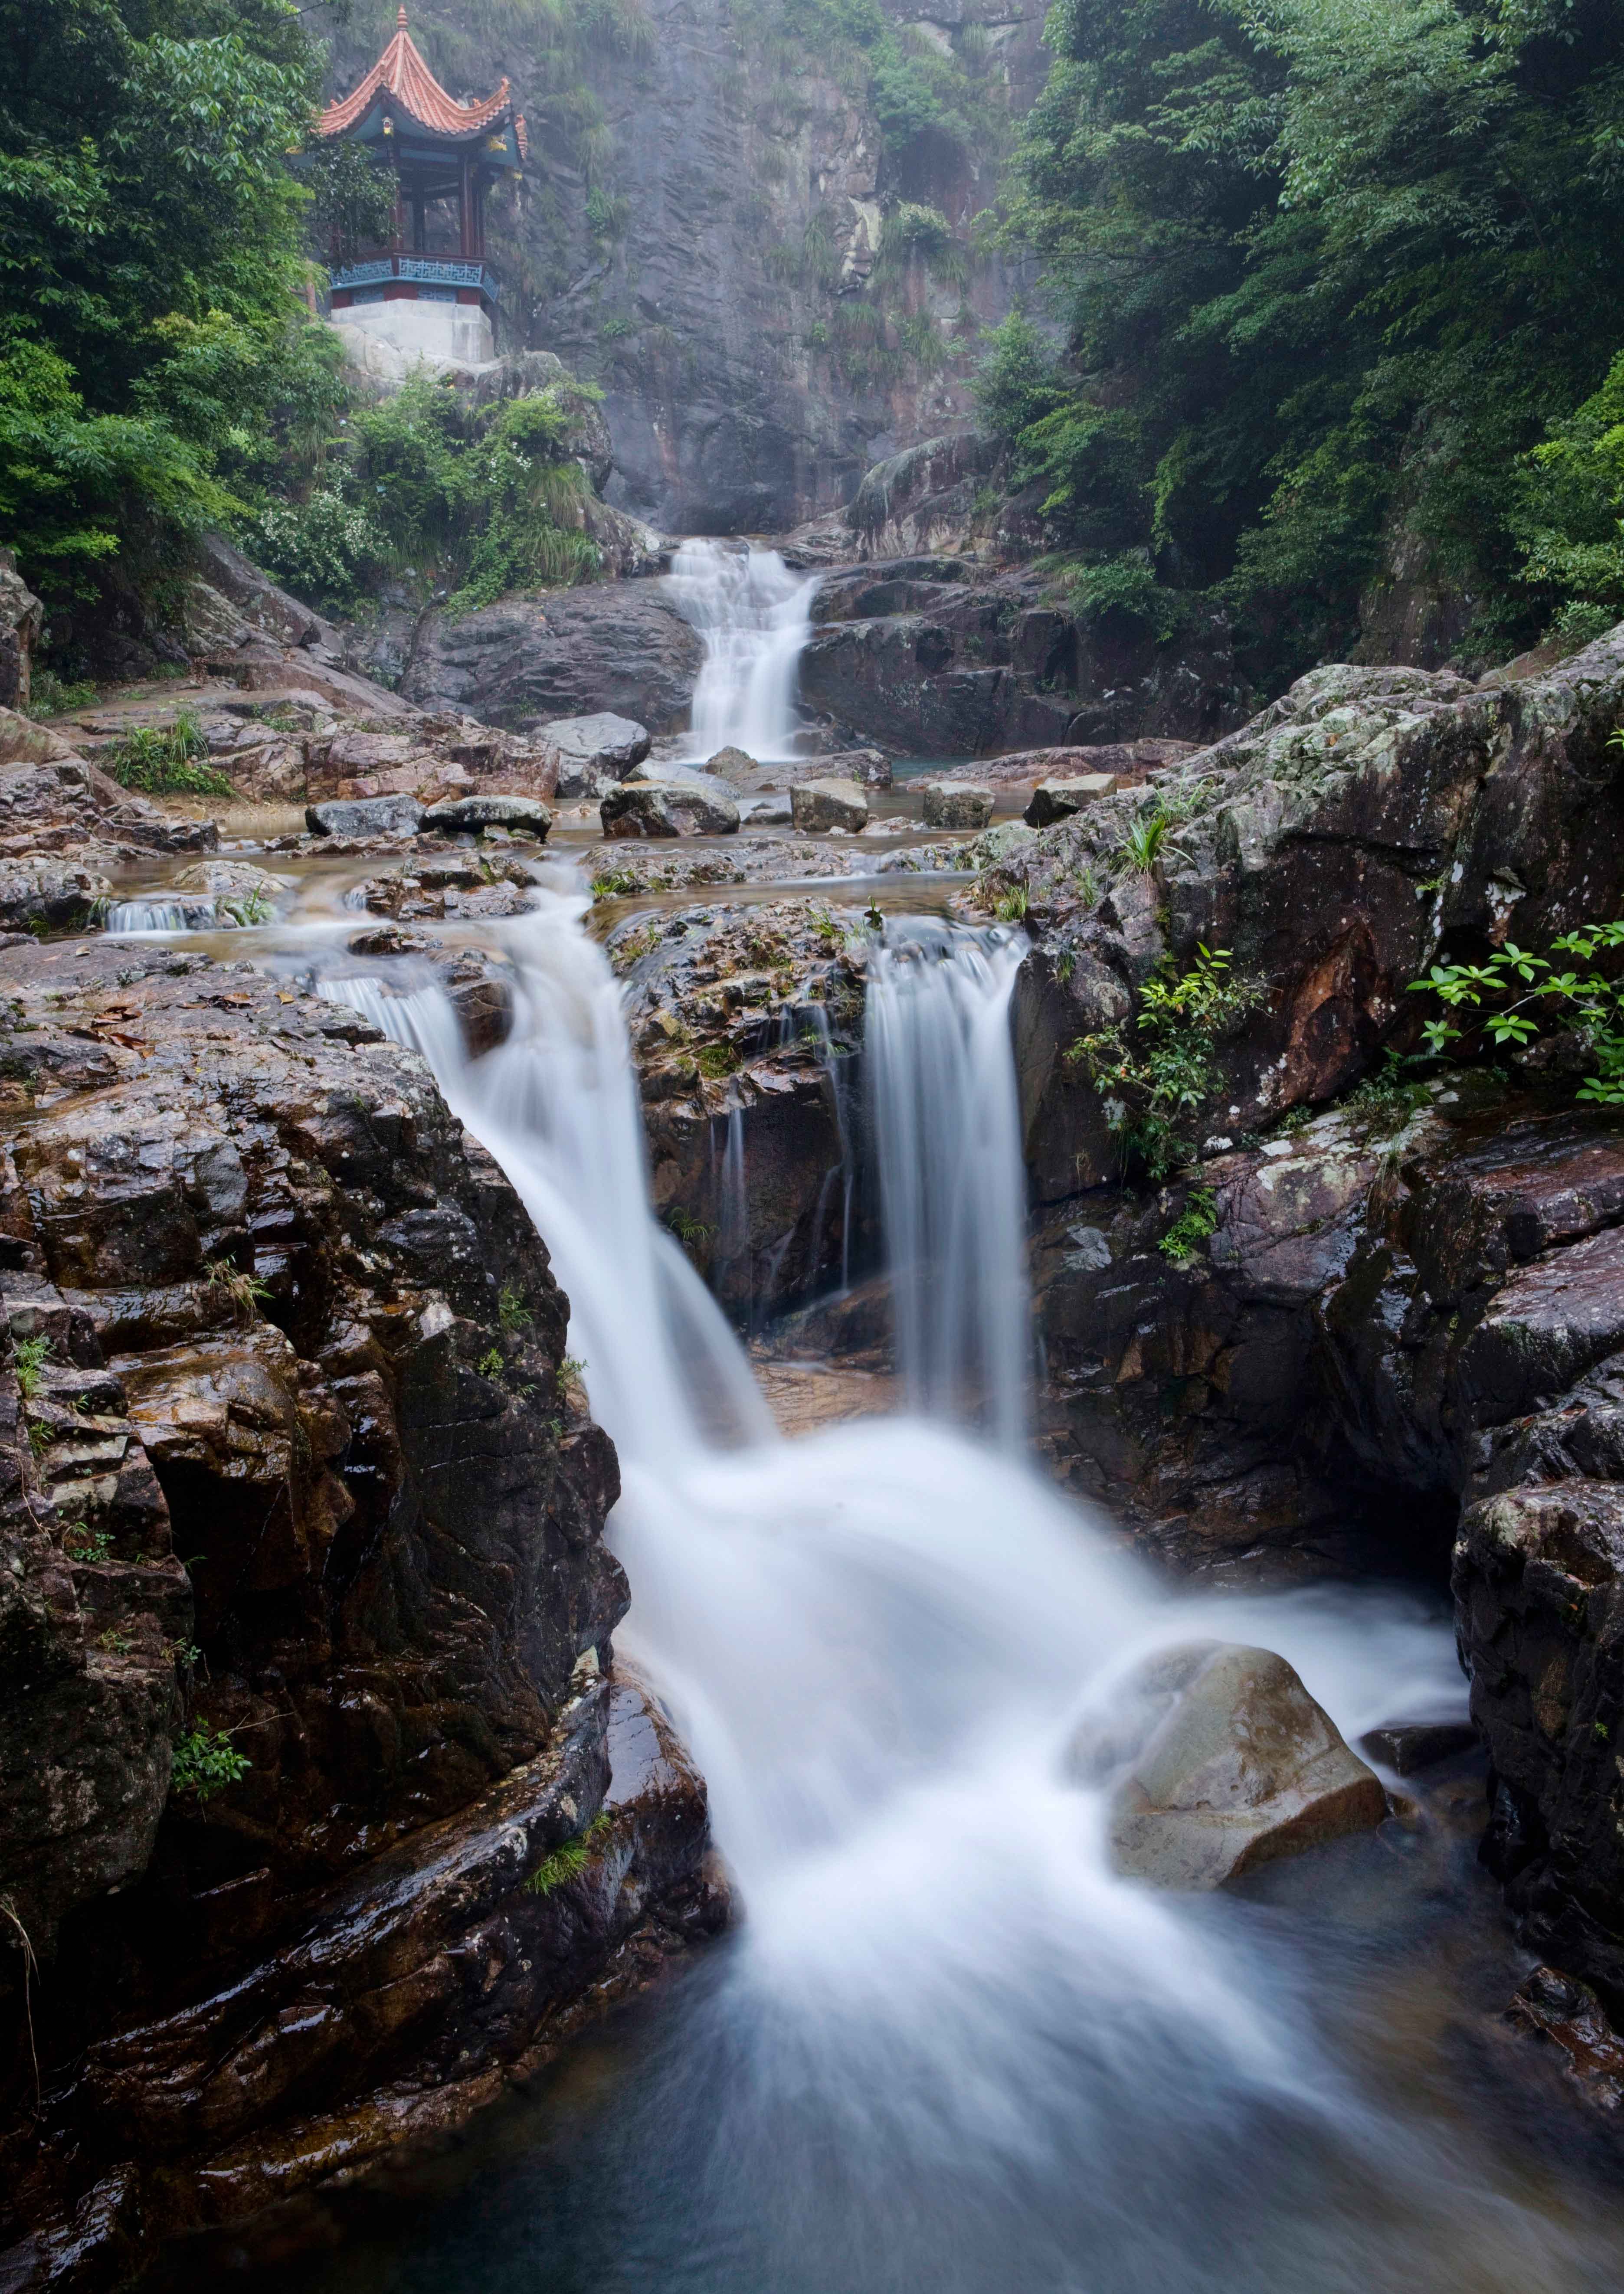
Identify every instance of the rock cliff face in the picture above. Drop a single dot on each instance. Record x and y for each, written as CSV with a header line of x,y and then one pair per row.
x,y
708,255
1395,1325
936,656
295,1482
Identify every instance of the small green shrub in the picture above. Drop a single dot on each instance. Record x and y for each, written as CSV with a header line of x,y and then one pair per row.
x,y
1153,1089
688,1231
511,1312
567,1861
1142,843
1010,908
323,548
572,1370
1499,1000
614,884
162,764
491,1364
1382,1098
89,1545
204,1763
246,908
1197,1220
30,1355
715,1060
50,696
244,1291
635,945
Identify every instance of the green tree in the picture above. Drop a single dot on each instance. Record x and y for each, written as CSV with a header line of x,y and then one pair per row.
x,y
1324,265
149,255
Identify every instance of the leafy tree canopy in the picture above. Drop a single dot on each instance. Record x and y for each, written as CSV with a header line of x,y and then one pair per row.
x,y
1322,264
150,258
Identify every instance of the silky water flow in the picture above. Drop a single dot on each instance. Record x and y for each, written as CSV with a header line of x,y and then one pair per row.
x,y
947,2048
754,616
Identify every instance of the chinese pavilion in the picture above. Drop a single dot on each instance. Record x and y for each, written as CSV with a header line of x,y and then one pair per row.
x,y
431,291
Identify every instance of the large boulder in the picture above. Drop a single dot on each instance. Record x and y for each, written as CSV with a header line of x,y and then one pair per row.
x,y
691,807
924,499
955,804
261,609
368,816
1058,797
526,662
496,810
936,657
1540,1605
1237,1767
593,752
302,1474
1331,848
748,1020
826,803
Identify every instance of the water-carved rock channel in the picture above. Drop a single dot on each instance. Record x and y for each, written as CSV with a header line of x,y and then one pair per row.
x,y
912,1781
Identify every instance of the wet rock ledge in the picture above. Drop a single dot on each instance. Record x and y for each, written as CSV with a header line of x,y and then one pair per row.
x,y
293,1473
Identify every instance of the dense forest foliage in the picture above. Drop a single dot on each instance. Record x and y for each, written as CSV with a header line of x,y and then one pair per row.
x,y
1335,277
152,364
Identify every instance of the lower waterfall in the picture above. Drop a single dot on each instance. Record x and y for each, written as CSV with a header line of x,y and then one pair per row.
x,y
940,1075
948,2047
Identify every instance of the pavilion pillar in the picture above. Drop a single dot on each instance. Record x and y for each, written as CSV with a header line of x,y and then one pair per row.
x,y
479,218
398,240
419,225
465,207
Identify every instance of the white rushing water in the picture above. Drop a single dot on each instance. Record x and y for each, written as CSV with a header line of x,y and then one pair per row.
x,y
876,1634
948,2033
754,616
940,1080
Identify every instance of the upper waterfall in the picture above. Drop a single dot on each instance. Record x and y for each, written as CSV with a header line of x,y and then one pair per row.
x,y
754,615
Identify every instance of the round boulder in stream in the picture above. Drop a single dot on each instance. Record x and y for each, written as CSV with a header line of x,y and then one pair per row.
x,y
1223,1762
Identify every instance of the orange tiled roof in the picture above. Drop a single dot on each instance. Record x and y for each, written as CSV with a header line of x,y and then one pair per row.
x,y
401,73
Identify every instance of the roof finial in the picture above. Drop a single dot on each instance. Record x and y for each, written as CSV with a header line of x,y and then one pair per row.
x,y
401,18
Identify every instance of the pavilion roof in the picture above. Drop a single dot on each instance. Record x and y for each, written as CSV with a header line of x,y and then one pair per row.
x,y
401,75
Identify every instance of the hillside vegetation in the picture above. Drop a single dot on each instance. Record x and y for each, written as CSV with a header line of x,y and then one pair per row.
x,y
1339,282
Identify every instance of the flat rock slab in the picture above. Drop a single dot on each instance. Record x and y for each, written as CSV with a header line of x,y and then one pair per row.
x,y
824,803
1241,1768
681,776
497,810
366,815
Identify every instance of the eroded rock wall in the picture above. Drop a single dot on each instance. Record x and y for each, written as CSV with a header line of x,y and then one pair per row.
x,y
290,1464
1394,1328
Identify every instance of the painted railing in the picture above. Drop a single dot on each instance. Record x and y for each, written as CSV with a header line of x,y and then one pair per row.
x,y
425,270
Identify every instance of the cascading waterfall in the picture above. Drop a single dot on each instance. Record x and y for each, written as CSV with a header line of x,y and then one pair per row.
x,y
754,616
940,1077
949,2048
159,913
